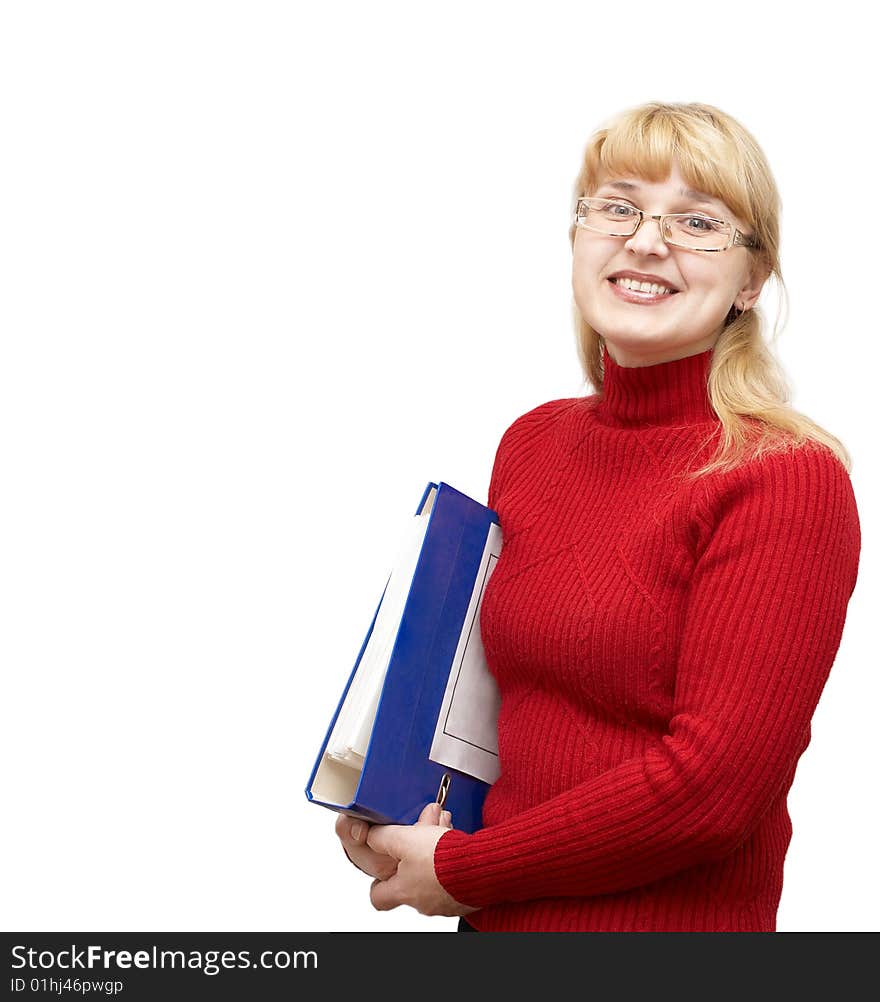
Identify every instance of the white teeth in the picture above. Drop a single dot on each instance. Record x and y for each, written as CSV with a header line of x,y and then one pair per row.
x,y
649,287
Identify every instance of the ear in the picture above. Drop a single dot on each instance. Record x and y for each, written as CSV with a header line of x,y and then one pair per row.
x,y
748,294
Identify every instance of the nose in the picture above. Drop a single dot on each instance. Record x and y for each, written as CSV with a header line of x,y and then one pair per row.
x,y
648,239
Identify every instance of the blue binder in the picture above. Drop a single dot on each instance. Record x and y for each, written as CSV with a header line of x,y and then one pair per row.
x,y
398,778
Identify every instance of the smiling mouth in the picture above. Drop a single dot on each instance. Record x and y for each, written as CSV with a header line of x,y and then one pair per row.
x,y
654,294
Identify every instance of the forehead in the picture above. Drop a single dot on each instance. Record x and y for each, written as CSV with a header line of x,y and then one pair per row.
x,y
675,186
636,187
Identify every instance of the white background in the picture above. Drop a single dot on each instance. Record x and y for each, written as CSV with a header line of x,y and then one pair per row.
x,y
269,268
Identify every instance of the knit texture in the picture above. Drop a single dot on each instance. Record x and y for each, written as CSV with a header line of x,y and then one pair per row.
x,y
660,647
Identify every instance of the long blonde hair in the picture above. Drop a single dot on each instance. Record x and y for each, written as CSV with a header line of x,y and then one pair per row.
x,y
747,387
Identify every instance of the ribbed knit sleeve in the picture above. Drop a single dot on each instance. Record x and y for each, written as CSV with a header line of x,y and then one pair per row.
x,y
775,564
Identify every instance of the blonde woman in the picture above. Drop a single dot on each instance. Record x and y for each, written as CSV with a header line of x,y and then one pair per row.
x,y
679,552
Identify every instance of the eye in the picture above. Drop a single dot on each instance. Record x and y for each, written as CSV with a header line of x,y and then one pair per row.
x,y
618,210
702,224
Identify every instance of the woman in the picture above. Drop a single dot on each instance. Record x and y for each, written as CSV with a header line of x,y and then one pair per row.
x,y
679,552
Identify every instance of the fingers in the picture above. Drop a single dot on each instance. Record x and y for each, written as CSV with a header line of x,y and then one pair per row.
x,y
409,847
352,831
385,895
377,849
353,835
349,829
343,826
432,814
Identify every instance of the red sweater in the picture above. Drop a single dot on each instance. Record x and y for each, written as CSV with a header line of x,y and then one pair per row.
x,y
660,648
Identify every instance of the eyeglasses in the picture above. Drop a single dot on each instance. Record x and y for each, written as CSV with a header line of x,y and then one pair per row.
x,y
691,230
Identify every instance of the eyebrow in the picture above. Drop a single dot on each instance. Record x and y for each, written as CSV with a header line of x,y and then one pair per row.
x,y
696,196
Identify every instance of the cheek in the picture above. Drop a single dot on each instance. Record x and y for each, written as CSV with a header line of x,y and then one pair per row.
x,y
717,285
585,270
590,256
583,286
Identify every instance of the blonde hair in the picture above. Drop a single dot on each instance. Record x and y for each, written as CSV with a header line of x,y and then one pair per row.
x,y
747,387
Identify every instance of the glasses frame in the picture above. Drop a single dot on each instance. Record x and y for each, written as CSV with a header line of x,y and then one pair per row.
x,y
737,237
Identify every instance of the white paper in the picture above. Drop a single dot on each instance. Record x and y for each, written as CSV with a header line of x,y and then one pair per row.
x,y
466,736
354,725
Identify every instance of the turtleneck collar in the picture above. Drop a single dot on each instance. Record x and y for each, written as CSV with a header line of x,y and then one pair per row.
x,y
668,393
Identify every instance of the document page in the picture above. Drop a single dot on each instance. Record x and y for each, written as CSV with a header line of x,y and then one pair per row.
x,y
354,725
466,736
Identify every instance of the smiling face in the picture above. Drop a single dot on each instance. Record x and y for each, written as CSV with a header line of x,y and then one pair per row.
x,y
641,328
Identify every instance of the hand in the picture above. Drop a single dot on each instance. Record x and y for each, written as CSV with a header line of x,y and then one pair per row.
x,y
353,835
413,881
353,832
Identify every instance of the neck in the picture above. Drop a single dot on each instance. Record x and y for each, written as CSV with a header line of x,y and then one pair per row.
x,y
668,393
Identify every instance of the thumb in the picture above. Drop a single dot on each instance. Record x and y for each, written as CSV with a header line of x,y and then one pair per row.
x,y
385,839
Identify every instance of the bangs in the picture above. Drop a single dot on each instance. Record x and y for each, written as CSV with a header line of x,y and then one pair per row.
x,y
646,141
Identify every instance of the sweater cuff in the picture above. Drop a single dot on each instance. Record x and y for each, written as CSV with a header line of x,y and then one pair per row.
x,y
449,854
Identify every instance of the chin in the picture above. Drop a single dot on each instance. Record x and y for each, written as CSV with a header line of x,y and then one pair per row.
x,y
635,336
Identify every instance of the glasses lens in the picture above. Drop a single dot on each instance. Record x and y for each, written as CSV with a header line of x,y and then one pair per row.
x,y
697,231
605,216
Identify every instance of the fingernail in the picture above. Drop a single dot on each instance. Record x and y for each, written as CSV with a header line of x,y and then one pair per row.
x,y
357,830
446,819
